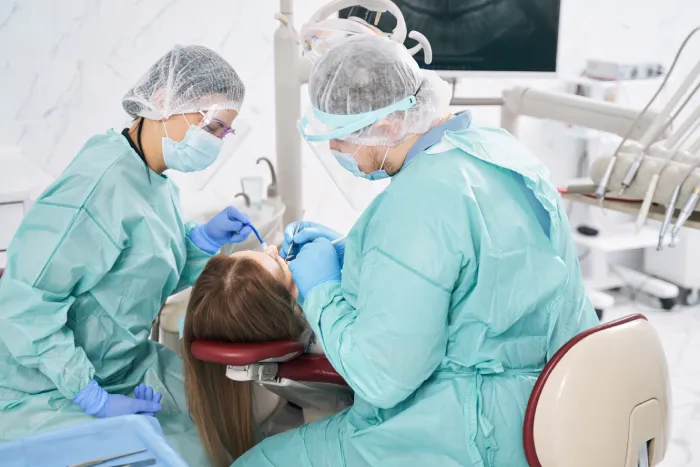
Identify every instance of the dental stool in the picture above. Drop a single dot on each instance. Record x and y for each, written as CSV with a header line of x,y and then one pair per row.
x,y
306,380
602,400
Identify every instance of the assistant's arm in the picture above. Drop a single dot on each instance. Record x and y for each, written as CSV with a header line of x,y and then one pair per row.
x,y
58,254
195,262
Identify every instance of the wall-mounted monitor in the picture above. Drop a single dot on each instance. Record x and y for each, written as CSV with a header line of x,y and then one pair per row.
x,y
493,36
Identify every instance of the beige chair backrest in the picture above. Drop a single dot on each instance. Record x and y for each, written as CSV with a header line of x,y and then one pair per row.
x,y
602,396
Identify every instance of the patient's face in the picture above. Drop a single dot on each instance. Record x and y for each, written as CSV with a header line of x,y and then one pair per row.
x,y
272,262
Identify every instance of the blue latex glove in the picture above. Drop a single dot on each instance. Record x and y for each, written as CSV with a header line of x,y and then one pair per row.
x,y
229,226
96,401
316,264
308,232
146,393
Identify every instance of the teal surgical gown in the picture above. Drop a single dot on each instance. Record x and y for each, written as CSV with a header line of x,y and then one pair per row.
x,y
87,272
455,292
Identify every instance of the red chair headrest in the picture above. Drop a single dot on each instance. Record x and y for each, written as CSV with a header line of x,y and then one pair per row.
x,y
294,364
246,354
312,369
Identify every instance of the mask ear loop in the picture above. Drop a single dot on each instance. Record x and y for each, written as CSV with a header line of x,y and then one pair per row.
x,y
356,150
381,167
165,128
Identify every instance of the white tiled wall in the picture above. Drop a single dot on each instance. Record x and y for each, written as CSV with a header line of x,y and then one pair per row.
x,y
64,66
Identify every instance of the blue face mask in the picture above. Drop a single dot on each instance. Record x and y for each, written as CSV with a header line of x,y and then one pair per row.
x,y
197,151
350,164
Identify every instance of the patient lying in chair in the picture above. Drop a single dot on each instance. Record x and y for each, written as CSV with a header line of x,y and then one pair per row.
x,y
243,298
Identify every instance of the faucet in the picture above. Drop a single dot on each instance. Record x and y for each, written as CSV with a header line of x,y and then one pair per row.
x,y
272,191
245,197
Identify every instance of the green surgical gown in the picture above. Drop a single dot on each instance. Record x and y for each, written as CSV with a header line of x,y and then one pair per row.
x,y
454,295
87,272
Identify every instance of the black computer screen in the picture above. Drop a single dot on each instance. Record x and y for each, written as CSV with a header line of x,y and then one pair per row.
x,y
479,35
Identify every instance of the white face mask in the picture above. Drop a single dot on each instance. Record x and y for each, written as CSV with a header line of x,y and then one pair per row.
x,y
197,151
350,164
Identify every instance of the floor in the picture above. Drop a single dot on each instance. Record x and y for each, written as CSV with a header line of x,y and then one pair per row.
x,y
679,331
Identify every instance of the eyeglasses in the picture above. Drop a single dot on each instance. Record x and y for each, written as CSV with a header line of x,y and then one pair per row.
x,y
215,126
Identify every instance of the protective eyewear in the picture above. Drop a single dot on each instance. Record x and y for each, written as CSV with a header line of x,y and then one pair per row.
x,y
215,126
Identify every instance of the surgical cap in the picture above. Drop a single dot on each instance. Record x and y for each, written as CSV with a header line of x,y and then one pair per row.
x,y
366,73
186,79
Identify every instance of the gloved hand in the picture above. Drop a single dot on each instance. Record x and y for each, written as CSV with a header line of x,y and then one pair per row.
x,y
308,232
229,226
316,264
96,401
145,393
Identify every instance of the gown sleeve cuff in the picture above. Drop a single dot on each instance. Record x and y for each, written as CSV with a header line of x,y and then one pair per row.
x,y
192,246
318,299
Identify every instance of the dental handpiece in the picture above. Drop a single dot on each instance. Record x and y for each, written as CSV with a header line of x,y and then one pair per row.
x,y
337,240
603,186
260,239
631,173
670,210
686,211
291,244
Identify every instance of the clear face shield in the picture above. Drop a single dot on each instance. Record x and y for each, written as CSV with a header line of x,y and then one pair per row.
x,y
224,125
325,134
317,38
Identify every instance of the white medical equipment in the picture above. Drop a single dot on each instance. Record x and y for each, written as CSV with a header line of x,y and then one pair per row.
x,y
665,180
663,184
606,117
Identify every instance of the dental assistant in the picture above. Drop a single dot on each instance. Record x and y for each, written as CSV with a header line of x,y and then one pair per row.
x,y
102,249
455,286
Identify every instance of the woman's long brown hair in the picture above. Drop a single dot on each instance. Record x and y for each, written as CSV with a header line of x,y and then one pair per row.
x,y
234,300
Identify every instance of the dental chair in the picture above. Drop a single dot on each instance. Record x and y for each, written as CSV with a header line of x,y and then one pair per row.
x,y
601,400
307,381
